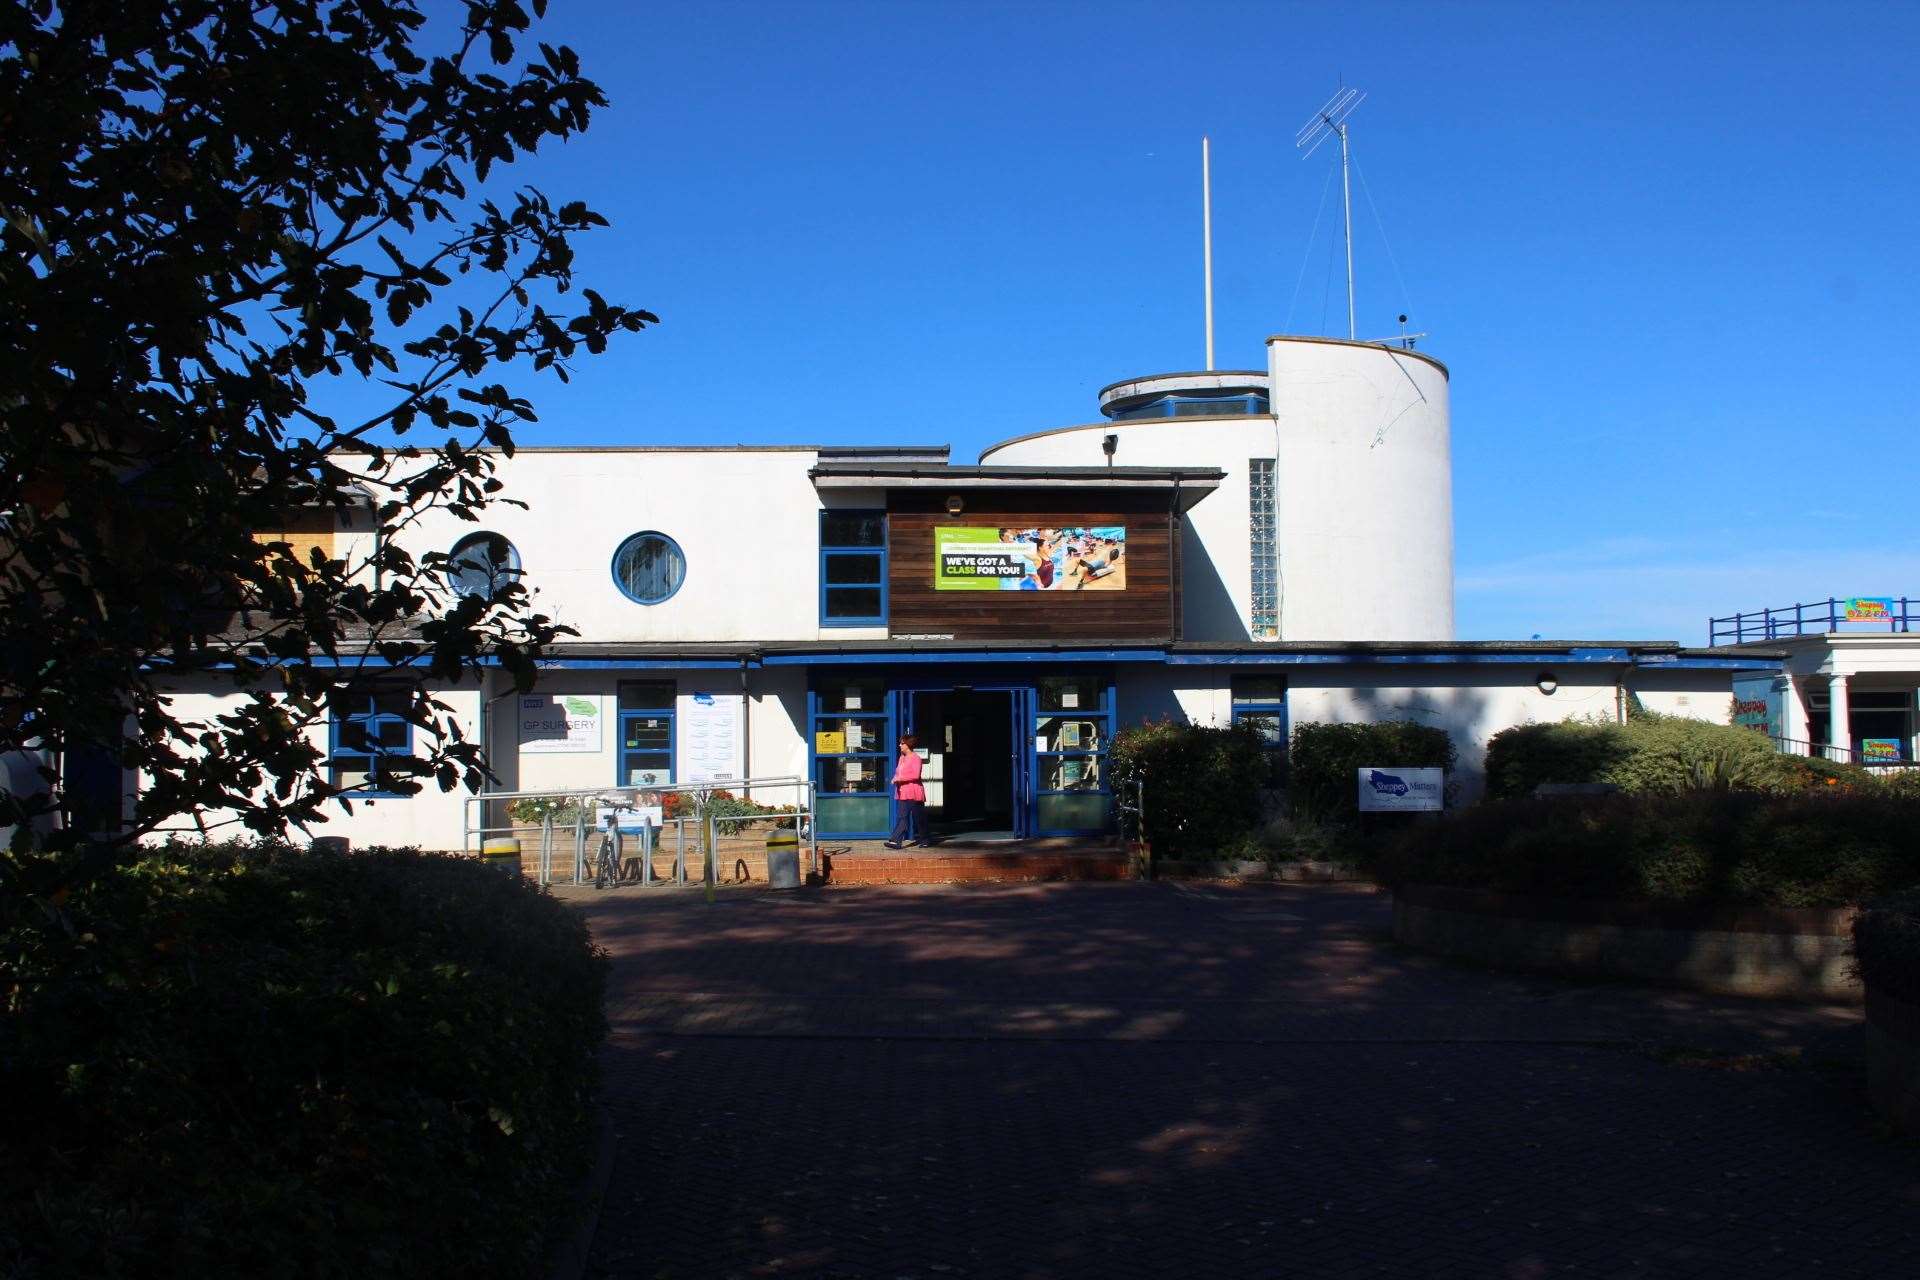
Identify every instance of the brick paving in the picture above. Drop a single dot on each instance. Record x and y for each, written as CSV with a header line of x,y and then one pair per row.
x,y
1119,1080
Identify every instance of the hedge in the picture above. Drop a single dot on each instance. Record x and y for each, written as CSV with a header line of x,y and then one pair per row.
x,y
1886,946
262,1062
1202,784
1653,753
1323,760
1709,847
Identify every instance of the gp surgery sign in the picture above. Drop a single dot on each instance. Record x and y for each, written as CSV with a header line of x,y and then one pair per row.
x,y
1402,790
978,559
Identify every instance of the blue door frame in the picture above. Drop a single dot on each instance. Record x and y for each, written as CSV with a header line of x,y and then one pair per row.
x,y
1026,761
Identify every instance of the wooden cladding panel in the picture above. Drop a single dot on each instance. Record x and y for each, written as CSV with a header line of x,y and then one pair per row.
x,y
1144,611
305,530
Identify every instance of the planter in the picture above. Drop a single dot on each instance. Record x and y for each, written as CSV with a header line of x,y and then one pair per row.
x,y
1799,953
1893,1059
1243,869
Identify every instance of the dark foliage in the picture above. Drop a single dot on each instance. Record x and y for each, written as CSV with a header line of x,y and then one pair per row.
x,y
1521,758
260,1063
219,217
1323,760
1813,850
1886,945
1202,784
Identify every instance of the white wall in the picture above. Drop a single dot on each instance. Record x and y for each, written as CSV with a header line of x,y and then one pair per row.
x,y
432,819
747,521
1364,495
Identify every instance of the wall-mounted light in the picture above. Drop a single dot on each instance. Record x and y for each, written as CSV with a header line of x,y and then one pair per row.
x,y
954,505
1109,443
1546,683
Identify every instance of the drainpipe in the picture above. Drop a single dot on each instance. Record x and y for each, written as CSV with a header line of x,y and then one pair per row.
x,y
746,731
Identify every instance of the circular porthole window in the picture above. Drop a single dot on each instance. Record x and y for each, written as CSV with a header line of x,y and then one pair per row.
x,y
481,564
649,568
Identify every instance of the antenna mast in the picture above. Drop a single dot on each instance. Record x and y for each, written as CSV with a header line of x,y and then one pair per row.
x,y
1206,234
1331,121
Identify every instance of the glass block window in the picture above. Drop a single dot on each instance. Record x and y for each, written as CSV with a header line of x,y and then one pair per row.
x,y
1263,534
853,568
367,728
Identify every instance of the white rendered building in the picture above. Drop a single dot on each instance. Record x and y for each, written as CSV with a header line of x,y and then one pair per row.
x,y
1272,546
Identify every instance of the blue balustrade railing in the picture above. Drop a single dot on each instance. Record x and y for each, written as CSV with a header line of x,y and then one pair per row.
x,y
1816,617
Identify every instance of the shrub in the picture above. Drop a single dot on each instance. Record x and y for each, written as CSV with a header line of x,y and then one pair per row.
x,y
535,810
1202,784
1521,758
251,1061
1817,850
1653,753
1324,759
1886,946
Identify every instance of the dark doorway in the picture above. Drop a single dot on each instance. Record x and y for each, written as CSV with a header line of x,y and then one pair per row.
x,y
967,735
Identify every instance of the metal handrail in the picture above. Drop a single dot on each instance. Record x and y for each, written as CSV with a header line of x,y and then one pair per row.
x,y
804,813
1815,617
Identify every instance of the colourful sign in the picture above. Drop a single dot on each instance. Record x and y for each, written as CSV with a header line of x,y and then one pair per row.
x,y
1880,751
1757,704
829,744
1869,608
980,559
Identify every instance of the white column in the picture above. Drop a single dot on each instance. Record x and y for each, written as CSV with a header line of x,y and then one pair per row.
x,y
1839,724
1793,715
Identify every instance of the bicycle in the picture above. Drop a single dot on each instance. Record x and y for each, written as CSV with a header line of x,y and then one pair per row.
x,y
607,865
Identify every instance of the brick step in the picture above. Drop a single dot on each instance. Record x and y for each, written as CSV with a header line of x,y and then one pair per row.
x,y
844,867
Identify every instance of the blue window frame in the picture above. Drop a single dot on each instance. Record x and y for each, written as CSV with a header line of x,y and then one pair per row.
x,y
1072,734
366,728
649,568
852,724
647,738
853,568
1260,702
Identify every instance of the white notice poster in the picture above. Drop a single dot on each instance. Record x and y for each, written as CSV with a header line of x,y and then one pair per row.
x,y
560,722
710,737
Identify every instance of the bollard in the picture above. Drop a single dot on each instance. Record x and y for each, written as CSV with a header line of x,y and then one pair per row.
x,y
783,858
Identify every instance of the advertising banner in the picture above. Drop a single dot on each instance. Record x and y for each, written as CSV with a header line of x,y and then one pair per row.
x,y
1402,790
1880,751
558,723
981,559
1868,609
1757,704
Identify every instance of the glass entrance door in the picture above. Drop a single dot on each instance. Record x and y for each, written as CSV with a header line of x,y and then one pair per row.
x,y
967,737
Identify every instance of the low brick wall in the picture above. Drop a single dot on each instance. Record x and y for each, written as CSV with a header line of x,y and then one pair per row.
x,y
1284,872
1798,953
1893,1059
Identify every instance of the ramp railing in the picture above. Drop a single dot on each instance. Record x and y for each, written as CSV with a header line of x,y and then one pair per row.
x,y
691,819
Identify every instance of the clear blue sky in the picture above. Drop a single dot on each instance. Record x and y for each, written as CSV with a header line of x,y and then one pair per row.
x,y
1668,251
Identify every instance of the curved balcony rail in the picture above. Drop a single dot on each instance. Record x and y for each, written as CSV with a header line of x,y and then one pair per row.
x,y
1817,617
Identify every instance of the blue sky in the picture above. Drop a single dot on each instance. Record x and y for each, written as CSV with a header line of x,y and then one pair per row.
x,y
1668,252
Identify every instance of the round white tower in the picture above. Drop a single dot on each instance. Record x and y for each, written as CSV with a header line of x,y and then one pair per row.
x,y
1335,521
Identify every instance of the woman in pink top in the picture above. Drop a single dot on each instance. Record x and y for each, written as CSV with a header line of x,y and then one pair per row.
x,y
911,825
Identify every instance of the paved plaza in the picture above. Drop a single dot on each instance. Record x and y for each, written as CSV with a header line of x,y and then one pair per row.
x,y
1116,1080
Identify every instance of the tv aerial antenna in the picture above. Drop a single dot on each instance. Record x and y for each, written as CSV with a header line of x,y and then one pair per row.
x,y
1330,121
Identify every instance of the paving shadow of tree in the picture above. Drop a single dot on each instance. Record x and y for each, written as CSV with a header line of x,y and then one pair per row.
x,y
1139,1079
